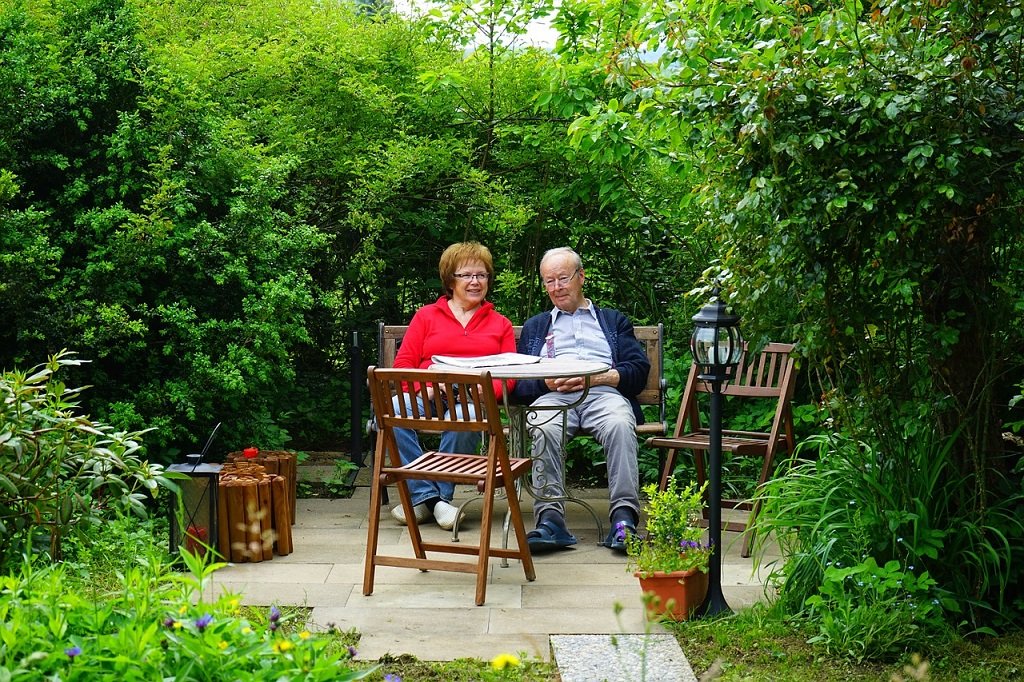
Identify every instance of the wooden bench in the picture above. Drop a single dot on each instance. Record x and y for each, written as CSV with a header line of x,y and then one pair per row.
x,y
652,338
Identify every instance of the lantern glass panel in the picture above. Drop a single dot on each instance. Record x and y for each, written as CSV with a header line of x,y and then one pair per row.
x,y
716,345
196,527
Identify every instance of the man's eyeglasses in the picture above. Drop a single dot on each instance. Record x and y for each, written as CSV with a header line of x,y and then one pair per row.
x,y
563,281
471,276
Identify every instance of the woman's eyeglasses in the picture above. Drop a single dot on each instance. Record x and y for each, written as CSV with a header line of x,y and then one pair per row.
x,y
472,276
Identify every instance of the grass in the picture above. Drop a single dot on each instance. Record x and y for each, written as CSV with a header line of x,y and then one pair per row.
x,y
753,645
756,644
411,669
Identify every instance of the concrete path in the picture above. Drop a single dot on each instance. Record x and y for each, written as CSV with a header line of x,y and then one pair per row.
x,y
431,615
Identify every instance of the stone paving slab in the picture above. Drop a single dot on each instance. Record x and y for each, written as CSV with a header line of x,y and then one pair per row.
x,y
431,634
598,619
620,658
593,595
292,594
275,571
435,596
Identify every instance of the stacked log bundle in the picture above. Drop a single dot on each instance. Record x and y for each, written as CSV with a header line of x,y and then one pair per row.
x,y
275,462
254,518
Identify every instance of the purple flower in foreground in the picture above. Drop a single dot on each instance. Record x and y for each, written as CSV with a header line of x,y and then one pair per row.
x,y
73,651
392,678
352,651
620,531
275,614
203,621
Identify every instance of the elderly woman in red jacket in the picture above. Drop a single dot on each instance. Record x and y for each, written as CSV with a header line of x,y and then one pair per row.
x,y
460,323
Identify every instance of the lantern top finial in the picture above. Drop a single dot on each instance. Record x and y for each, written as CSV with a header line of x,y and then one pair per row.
x,y
715,313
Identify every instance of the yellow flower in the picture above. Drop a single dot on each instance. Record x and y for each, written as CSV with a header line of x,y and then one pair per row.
x,y
222,644
283,646
182,610
502,661
234,604
247,630
304,634
177,625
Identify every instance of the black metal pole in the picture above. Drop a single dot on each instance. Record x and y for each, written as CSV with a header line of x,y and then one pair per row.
x,y
358,379
714,604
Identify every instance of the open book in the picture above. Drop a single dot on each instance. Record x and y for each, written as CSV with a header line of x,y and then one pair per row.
x,y
497,360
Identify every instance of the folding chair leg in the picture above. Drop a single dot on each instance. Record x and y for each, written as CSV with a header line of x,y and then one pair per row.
x,y
667,466
483,560
372,536
516,515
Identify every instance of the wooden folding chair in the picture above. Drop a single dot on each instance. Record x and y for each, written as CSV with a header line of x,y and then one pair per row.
x,y
471,406
768,376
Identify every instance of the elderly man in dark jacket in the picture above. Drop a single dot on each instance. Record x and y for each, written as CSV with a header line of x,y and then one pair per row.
x,y
576,328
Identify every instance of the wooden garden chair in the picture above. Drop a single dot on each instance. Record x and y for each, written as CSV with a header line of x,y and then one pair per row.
x,y
769,375
473,407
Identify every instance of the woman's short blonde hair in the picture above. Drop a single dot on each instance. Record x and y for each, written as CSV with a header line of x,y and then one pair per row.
x,y
459,254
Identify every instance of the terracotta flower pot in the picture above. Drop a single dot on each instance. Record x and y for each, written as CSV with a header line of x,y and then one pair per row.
x,y
676,594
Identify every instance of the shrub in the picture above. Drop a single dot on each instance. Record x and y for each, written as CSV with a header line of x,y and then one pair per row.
x,y
854,502
674,532
58,468
869,611
154,626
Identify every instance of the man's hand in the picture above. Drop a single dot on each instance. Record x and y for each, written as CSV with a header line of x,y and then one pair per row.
x,y
570,384
565,385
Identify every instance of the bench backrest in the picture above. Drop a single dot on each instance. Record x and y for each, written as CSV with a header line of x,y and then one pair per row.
x,y
652,338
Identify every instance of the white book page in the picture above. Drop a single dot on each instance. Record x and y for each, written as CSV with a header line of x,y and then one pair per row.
x,y
498,360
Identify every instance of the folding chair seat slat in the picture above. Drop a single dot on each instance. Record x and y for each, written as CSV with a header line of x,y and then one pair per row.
x,y
440,467
472,407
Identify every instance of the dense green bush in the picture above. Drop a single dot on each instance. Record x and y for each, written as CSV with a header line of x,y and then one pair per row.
x,y
148,230
208,201
59,470
867,611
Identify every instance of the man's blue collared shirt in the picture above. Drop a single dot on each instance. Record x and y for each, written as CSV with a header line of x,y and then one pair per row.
x,y
577,335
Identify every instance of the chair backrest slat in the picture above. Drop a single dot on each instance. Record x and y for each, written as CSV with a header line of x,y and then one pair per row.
x,y
470,400
764,375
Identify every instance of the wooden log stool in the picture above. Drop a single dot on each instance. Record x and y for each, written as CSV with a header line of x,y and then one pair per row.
x,y
254,518
279,463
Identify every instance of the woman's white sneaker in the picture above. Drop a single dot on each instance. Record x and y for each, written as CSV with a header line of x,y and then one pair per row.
x,y
420,511
445,514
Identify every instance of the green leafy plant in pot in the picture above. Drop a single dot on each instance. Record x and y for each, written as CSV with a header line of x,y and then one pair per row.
x,y
669,559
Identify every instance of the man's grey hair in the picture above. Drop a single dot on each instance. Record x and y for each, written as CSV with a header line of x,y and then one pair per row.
x,y
562,251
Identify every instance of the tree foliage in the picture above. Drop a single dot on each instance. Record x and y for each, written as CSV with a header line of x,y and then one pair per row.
x,y
207,201
864,170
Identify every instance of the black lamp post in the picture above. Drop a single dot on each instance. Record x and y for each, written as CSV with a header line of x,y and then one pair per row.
x,y
717,346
